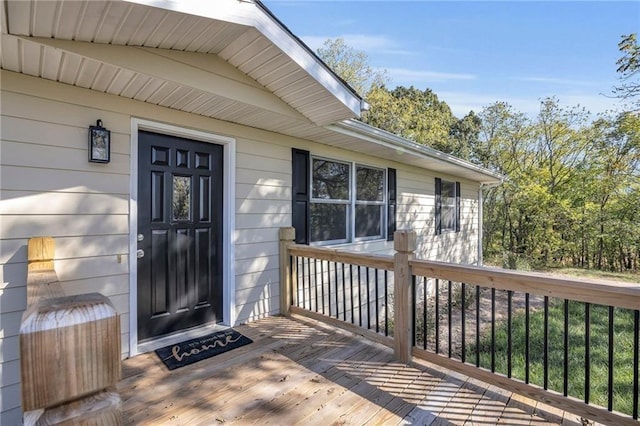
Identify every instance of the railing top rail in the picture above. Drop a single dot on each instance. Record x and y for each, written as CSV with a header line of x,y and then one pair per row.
x,y
623,295
343,256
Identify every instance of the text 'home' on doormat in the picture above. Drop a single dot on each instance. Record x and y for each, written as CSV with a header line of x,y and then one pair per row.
x,y
194,350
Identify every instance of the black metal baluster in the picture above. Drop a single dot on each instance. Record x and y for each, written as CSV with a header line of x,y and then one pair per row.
x,y
322,284
353,308
610,381
565,373
315,274
477,326
509,340
636,367
377,303
359,296
462,322
545,355
413,312
587,352
386,303
304,279
309,275
292,295
527,359
449,314
329,287
335,276
344,295
493,330
437,314
368,300
424,315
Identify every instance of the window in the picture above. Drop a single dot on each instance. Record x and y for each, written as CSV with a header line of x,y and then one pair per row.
x,y
369,216
447,206
337,201
330,200
346,206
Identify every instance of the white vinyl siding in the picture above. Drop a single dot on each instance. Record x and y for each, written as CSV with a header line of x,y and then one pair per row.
x,y
48,187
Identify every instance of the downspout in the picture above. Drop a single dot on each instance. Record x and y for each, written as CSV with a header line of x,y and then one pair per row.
x,y
480,224
481,217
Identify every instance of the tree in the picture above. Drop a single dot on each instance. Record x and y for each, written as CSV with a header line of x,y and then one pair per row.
x,y
351,65
629,70
409,112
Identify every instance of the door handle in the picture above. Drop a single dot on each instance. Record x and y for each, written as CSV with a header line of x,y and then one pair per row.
x,y
140,237
140,253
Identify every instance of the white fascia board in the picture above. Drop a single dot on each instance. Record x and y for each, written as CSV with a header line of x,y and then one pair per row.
x,y
378,136
253,15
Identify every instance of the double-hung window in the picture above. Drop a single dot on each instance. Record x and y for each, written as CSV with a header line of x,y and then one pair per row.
x,y
330,200
369,202
447,206
347,201
336,201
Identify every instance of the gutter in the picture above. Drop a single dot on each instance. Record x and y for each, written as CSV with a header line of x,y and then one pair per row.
x,y
364,131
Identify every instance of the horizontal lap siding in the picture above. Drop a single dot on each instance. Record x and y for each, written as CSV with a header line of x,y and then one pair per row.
x,y
263,206
416,210
47,187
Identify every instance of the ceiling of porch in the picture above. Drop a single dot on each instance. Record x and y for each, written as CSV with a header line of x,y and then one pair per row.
x,y
26,25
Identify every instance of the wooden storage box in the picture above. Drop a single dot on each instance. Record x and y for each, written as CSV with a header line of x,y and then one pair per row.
x,y
70,347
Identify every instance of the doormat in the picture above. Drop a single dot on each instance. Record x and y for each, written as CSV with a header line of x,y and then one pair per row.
x,y
194,350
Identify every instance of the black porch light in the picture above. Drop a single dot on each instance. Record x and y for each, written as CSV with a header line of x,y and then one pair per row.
x,y
99,143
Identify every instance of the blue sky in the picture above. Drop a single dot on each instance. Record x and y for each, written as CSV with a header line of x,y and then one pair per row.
x,y
472,54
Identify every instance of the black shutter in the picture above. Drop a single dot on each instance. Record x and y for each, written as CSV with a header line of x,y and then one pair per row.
x,y
458,211
300,194
438,206
391,203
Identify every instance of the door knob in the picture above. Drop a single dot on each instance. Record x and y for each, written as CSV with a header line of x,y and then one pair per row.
x,y
140,253
140,237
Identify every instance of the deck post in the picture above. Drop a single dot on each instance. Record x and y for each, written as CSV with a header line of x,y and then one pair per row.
x,y
287,238
404,243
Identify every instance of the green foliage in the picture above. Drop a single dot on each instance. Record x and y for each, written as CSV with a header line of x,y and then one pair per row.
x,y
571,191
351,65
629,70
412,113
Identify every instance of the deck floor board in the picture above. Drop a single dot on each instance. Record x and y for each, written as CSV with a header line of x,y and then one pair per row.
x,y
303,372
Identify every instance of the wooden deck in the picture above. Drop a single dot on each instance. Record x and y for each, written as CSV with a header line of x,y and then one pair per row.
x,y
302,372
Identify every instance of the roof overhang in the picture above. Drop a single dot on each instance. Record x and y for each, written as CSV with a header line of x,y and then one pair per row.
x,y
387,145
242,33
163,51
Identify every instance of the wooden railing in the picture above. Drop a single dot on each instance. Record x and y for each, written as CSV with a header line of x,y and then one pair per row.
x,y
535,335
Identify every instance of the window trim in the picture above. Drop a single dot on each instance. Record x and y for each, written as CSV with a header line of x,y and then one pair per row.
x,y
352,202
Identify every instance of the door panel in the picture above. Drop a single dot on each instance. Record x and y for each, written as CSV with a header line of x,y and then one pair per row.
x,y
180,186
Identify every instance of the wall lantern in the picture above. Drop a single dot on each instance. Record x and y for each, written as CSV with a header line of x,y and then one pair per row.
x,y
99,143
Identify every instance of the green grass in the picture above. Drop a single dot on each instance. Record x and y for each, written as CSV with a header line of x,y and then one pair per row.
x,y
630,277
599,326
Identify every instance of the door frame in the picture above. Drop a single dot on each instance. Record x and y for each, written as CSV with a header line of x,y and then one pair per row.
x,y
228,252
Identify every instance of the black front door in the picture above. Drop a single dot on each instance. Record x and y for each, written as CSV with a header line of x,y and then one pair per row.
x,y
180,188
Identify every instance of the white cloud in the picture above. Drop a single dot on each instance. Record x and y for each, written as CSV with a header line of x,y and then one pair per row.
x,y
557,81
463,102
367,43
401,76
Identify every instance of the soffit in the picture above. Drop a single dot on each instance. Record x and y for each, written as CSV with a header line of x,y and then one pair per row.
x,y
81,43
244,36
